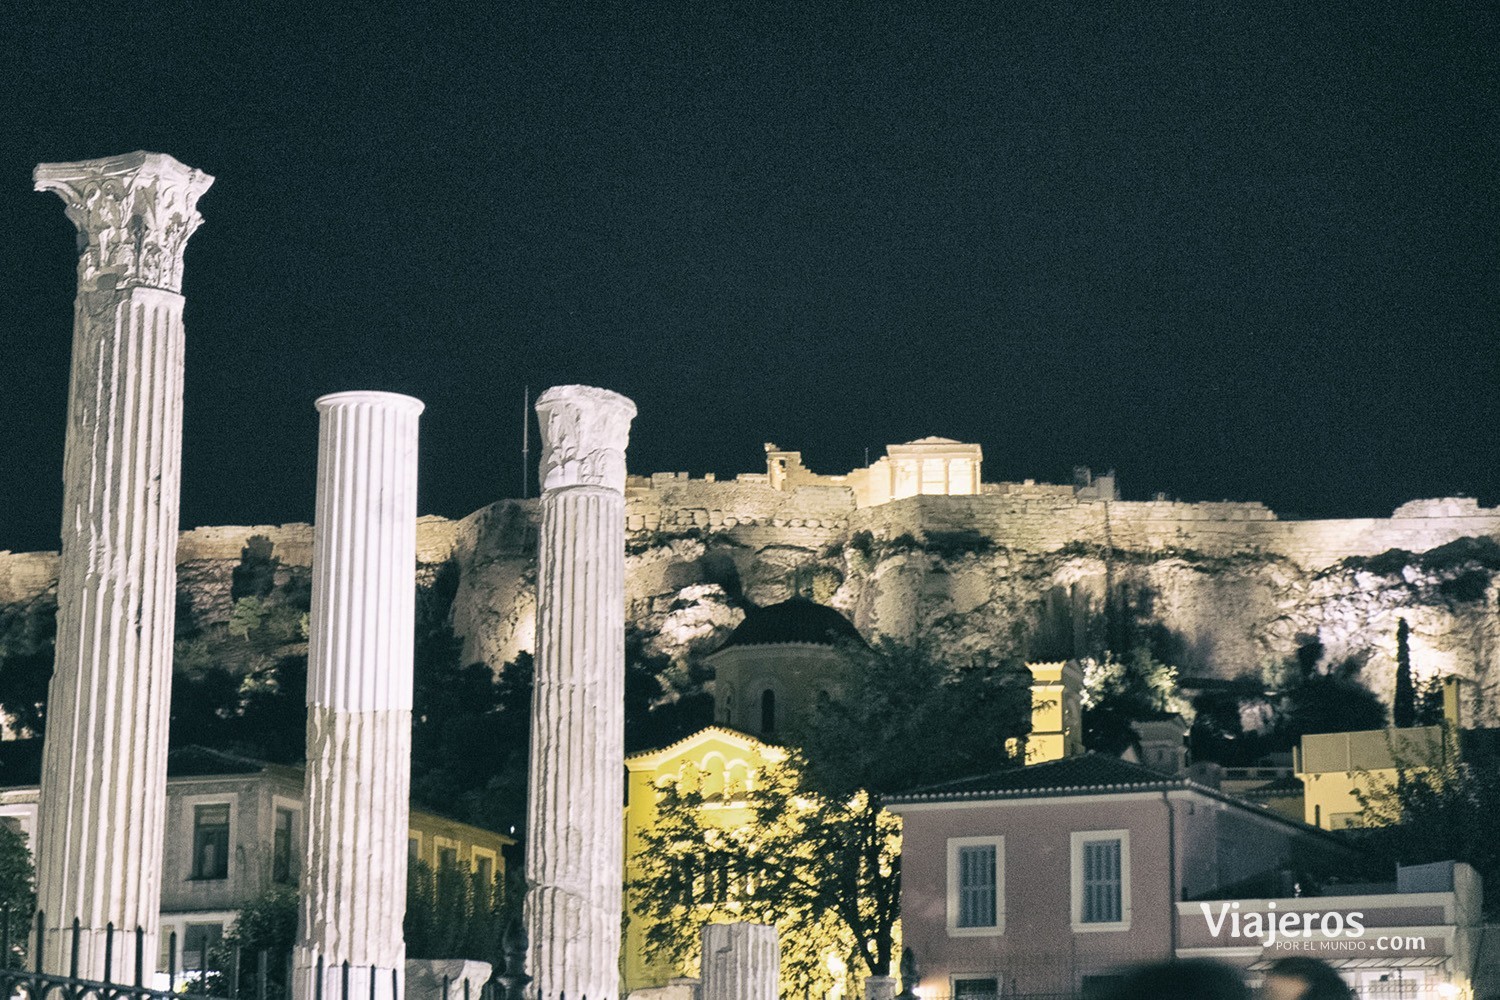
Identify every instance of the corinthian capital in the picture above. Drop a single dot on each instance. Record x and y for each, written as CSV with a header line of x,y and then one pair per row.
x,y
584,433
134,215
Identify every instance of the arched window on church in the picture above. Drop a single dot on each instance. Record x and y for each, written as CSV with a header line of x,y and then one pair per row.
x,y
713,776
738,781
768,711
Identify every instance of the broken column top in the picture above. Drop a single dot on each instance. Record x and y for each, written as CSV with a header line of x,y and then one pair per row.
x,y
134,215
584,434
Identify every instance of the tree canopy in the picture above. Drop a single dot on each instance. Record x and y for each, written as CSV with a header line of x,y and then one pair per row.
x,y
811,850
1439,806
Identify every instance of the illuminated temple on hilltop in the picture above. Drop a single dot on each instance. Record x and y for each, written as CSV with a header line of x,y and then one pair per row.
x,y
929,466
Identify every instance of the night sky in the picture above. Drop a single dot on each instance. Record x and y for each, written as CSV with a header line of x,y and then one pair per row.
x,y
1233,250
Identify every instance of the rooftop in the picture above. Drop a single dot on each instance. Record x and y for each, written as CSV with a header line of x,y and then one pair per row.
x,y
796,620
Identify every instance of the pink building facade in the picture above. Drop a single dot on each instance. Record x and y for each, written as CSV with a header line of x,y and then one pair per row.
x,y
1047,880
1416,938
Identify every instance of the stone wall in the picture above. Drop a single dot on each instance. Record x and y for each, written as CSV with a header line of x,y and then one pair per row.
x,y
1236,587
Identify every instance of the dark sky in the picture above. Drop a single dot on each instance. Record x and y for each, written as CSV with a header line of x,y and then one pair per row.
x,y
1234,250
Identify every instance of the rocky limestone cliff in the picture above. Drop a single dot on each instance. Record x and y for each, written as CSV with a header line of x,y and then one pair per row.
x,y
1220,589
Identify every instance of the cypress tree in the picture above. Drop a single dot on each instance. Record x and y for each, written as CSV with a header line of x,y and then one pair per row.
x,y
1404,706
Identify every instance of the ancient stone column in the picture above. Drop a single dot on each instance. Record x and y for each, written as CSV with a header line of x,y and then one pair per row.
x,y
103,790
359,691
740,962
574,831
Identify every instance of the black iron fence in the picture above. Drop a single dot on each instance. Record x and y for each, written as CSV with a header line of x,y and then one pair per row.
x,y
222,974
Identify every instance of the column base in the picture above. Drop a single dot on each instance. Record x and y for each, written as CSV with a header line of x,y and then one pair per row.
x,y
310,981
103,955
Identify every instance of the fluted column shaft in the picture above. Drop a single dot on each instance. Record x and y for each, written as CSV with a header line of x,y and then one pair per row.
x,y
740,962
359,695
102,802
574,832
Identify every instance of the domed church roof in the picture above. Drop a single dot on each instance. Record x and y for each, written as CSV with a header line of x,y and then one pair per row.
x,y
797,620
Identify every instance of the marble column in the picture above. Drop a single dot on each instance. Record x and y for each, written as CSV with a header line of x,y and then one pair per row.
x,y
574,831
740,962
359,692
103,790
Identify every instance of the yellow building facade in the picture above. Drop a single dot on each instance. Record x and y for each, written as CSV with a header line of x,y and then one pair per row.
x,y
1056,711
1335,767
728,764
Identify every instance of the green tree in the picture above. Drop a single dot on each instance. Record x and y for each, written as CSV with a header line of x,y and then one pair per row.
x,y
1404,703
1430,701
268,923
255,575
17,891
453,912
1331,701
824,871
1119,692
906,718
1440,806
816,854
470,729
27,650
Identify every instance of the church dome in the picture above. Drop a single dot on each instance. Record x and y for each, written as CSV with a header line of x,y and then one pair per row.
x,y
797,620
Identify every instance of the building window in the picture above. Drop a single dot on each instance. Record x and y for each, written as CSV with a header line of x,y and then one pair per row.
x,y
447,857
413,847
976,886
975,989
768,712
197,943
484,867
1101,880
281,848
211,841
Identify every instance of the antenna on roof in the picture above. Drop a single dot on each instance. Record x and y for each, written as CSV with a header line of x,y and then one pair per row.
x,y
526,443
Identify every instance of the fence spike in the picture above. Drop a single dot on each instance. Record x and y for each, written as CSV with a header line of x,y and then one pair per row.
x,y
172,961
109,950
345,980
140,955
5,919
318,983
41,933
77,938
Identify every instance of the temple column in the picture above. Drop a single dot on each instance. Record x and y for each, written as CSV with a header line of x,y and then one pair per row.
x,y
574,830
740,962
102,803
359,696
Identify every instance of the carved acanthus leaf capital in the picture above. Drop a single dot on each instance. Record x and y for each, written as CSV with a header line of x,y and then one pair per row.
x,y
584,434
134,215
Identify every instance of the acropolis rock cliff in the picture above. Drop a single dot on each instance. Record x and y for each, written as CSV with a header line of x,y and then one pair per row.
x,y
1234,587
